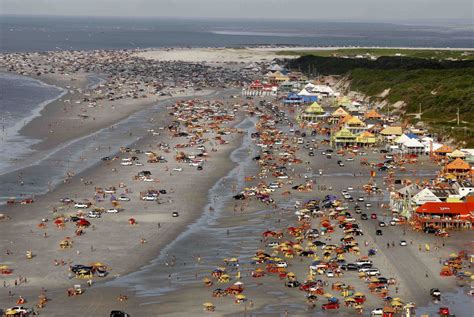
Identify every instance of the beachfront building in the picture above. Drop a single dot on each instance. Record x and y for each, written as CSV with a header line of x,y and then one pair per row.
x,y
445,215
259,89
458,168
390,133
366,139
442,152
313,113
372,115
355,125
338,115
412,146
276,78
343,138
288,86
293,99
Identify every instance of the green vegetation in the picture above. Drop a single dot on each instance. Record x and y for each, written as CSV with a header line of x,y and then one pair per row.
x,y
377,52
440,87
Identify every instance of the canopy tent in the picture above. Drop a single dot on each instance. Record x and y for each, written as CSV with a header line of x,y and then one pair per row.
x,y
457,154
424,196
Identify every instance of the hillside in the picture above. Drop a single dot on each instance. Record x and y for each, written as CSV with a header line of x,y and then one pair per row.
x,y
440,87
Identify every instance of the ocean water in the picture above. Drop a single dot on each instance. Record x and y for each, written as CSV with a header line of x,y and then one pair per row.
x,y
21,99
26,34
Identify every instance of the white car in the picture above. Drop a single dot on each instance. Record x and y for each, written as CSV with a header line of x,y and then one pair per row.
x,y
16,310
349,159
330,274
272,244
360,198
126,163
123,198
282,264
93,214
81,205
274,185
403,243
178,169
147,179
377,312
138,164
350,188
112,211
372,272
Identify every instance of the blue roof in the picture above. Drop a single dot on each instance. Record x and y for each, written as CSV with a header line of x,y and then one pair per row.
x,y
412,136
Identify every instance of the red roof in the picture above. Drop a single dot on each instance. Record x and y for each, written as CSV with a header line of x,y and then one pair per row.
x,y
464,208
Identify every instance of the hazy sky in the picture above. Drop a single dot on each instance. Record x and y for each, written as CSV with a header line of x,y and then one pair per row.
x,y
294,9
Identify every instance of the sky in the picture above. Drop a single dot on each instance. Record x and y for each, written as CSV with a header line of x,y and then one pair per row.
x,y
365,10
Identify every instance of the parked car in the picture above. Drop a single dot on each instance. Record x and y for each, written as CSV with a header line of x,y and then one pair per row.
x,y
378,232
175,214
376,312
403,243
93,214
118,313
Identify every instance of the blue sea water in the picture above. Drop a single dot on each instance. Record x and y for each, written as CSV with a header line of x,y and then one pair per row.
x,y
26,34
21,99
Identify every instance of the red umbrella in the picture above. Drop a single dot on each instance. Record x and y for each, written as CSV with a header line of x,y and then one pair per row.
x,y
83,222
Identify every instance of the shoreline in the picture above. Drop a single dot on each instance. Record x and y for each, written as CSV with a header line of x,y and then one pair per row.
x,y
147,252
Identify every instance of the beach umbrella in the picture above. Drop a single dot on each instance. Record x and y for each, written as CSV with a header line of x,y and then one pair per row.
x,y
240,296
359,294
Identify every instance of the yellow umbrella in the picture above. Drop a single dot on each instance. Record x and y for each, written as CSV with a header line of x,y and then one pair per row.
x,y
4,267
240,296
349,299
395,303
358,306
359,294
328,295
208,304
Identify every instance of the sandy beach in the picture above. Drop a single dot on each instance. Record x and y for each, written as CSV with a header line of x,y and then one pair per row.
x,y
193,191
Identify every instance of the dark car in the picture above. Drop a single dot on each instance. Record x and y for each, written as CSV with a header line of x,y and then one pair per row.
x,y
118,313
378,232
311,153
364,217
319,243
349,267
